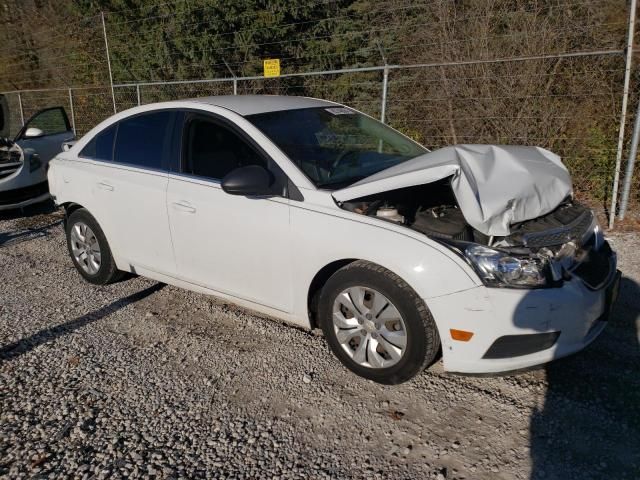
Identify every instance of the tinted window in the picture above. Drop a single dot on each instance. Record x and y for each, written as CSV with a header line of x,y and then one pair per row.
x,y
50,121
101,146
213,150
143,139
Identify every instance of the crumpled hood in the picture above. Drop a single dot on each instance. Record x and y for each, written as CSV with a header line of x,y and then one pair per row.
x,y
495,186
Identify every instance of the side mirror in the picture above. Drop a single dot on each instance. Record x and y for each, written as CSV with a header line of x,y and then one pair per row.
x,y
33,132
66,146
252,180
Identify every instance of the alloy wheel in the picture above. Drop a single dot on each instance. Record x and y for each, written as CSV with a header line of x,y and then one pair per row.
x,y
85,248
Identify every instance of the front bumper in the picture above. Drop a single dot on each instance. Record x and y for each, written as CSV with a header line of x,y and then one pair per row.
x,y
571,316
22,182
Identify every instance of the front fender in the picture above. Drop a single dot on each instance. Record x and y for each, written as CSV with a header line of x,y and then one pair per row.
x,y
321,237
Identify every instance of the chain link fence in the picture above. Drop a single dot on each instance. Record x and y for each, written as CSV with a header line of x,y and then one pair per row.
x,y
570,103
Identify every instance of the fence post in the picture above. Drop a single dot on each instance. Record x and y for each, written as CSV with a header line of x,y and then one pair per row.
x,y
106,46
138,93
623,114
633,152
235,79
21,109
73,115
385,86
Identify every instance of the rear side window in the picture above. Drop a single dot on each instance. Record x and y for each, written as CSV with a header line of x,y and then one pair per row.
x,y
142,140
101,146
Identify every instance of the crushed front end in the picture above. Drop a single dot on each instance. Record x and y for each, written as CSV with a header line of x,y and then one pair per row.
x,y
547,286
548,291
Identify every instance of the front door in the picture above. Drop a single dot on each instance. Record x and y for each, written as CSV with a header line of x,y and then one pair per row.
x,y
235,245
55,130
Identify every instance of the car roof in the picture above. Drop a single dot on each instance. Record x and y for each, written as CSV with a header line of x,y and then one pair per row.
x,y
253,104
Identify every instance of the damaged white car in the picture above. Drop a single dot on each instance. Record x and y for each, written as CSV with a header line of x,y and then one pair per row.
x,y
24,160
316,214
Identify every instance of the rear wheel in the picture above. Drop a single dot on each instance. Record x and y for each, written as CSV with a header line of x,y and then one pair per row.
x,y
376,325
89,249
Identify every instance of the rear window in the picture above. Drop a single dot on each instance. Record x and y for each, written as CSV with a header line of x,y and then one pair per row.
x,y
101,146
141,140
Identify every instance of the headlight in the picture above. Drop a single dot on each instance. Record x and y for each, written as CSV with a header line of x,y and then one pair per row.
x,y
499,269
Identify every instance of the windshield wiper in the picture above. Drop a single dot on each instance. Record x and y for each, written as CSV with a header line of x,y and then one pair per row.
x,y
343,183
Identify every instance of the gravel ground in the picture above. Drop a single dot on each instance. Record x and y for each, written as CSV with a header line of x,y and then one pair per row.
x,y
140,379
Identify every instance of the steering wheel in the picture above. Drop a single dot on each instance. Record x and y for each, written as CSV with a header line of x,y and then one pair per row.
x,y
340,159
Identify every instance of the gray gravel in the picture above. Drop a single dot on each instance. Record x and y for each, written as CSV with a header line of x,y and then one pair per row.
x,y
139,379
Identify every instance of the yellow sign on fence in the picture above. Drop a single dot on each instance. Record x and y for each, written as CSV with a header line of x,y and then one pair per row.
x,y
272,67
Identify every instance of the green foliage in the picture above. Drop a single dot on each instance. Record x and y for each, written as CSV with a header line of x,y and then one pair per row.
x,y
194,39
595,163
568,105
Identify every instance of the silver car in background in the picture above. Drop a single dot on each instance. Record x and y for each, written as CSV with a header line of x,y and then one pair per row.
x,y
24,160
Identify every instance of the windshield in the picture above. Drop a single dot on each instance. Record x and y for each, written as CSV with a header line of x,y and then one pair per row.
x,y
335,146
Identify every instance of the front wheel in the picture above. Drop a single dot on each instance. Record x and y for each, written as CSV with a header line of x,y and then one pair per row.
x,y
376,324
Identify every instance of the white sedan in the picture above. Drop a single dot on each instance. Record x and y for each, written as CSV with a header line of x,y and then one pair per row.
x,y
316,214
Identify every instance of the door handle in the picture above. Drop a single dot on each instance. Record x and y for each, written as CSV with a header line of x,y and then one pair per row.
x,y
105,186
184,207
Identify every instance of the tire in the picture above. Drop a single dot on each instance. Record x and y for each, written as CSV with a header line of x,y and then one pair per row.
x,y
98,273
421,340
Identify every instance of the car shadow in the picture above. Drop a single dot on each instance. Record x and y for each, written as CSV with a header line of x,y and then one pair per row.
x,y
589,423
42,208
31,222
27,344
11,238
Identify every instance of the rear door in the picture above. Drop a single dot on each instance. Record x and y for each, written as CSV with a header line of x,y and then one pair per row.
x,y
131,187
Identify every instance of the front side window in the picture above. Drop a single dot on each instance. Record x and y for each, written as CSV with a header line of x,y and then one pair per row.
x,y
142,140
101,146
335,146
51,121
212,150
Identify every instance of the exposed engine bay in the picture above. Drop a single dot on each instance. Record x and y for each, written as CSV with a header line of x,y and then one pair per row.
x,y
561,240
430,209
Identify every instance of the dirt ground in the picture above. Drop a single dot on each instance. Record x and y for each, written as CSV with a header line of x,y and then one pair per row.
x,y
140,379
